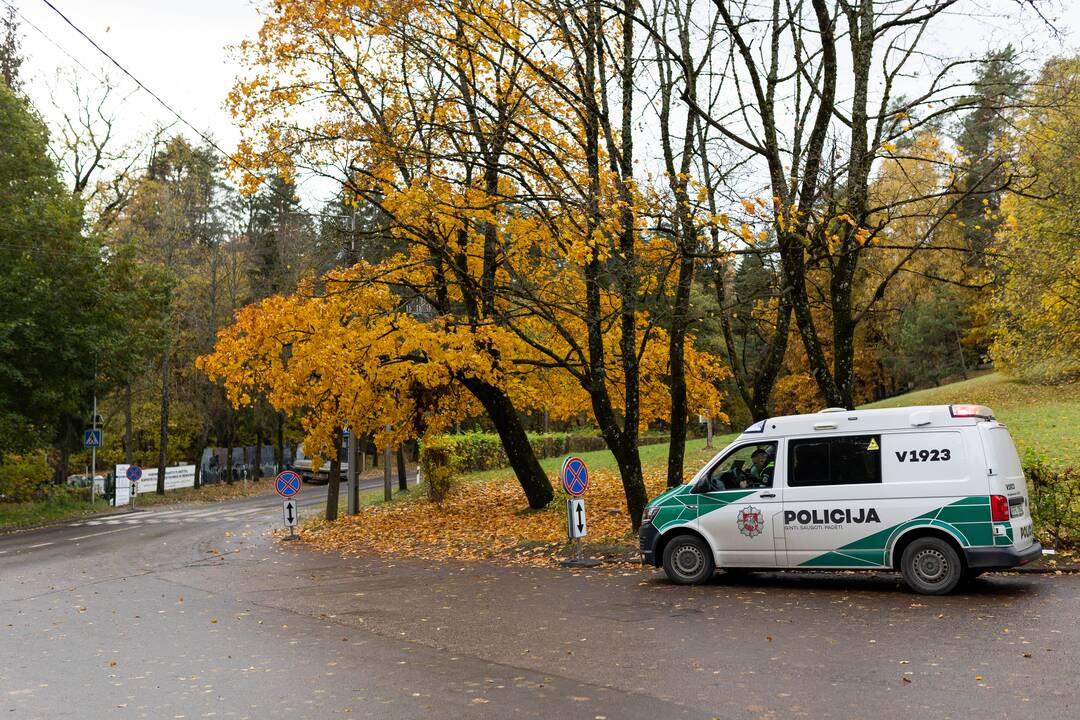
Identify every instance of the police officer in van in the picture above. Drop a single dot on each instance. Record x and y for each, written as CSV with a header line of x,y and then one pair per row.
x,y
760,473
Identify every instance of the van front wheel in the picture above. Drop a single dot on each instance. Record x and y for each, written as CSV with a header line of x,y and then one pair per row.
x,y
931,566
688,560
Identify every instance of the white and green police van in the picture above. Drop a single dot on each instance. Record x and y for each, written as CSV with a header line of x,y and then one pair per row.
x,y
936,492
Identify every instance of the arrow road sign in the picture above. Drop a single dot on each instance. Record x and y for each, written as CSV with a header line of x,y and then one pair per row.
x,y
575,476
288,512
91,439
576,527
288,483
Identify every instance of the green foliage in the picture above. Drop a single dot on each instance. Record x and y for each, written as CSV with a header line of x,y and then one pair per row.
x,y
21,476
11,58
51,279
926,340
1055,501
998,87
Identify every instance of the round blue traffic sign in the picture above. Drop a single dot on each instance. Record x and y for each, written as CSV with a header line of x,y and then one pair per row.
x,y
575,476
134,473
288,483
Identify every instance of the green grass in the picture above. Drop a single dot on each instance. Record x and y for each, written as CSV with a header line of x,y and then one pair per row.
x,y
653,459
19,515
1043,419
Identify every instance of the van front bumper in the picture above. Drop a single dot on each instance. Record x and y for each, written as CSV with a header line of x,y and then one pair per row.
x,y
1001,557
647,537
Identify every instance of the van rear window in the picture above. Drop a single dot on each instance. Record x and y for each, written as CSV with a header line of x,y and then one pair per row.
x,y
848,460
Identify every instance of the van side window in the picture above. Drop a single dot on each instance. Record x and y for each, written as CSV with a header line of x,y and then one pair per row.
x,y
849,460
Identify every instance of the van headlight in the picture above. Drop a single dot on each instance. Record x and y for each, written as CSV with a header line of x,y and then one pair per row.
x,y
649,514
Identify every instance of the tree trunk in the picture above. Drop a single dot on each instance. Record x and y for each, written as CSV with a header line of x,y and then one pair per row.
x,y
204,440
63,464
129,451
403,481
163,439
795,278
257,472
515,442
677,351
280,449
229,458
333,488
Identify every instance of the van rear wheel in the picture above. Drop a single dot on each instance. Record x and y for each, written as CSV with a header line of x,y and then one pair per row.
x,y
931,566
688,560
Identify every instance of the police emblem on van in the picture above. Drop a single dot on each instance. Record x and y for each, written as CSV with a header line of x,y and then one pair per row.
x,y
749,521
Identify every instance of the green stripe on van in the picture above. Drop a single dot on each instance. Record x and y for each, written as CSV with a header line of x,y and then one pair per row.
x,y
967,519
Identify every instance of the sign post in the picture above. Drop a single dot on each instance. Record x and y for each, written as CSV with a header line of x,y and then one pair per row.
x,y
134,475
92,441
575,480
287,485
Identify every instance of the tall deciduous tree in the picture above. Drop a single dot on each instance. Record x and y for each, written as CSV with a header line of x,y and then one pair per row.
x,y
1037,299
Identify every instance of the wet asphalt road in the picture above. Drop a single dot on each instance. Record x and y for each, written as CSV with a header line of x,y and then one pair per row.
x,y
189,612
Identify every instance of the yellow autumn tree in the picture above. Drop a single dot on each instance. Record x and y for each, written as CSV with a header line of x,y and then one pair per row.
x,y
490,148
1037,301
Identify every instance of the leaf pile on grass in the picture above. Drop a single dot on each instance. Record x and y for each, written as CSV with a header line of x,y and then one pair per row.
x,y
484,520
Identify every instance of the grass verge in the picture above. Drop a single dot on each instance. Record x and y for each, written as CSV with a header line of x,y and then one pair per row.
x,y
1044,420
15,516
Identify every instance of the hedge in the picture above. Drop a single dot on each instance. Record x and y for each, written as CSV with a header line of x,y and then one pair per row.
x,y
1055,503
21,476
445,456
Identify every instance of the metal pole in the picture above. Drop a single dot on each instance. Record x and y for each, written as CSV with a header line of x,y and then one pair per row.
x,y
708,427
93,449
387,493
351,475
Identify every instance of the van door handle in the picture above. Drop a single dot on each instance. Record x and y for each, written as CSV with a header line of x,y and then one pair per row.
x,y
766,494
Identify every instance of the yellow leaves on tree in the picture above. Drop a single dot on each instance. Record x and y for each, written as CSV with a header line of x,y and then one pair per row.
x,y
1037,305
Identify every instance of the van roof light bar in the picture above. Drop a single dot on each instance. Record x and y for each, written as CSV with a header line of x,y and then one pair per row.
x,y
757,427
978,411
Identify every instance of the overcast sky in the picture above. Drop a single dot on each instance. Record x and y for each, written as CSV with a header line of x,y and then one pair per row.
x,y
179,50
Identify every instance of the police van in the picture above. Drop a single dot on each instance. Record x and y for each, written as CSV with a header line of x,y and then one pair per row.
x,y
936,492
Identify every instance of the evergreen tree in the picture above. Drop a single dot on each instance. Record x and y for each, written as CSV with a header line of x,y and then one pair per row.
x,y
998,86
10,53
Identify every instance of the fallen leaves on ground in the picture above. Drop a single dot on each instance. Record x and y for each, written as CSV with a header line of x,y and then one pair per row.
x,y
486,520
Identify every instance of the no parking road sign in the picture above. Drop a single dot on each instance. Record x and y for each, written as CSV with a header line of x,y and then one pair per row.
x,y
134,474
575,480
575,476
288,483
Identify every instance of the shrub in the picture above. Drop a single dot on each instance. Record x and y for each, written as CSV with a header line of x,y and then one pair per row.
x,y
21,476
1055,502
438,466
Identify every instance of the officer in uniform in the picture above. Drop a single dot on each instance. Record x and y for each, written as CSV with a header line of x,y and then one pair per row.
x,y
761,471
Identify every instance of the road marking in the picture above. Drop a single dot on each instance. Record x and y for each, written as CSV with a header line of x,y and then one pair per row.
x,y
105,532
38,545
216,512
